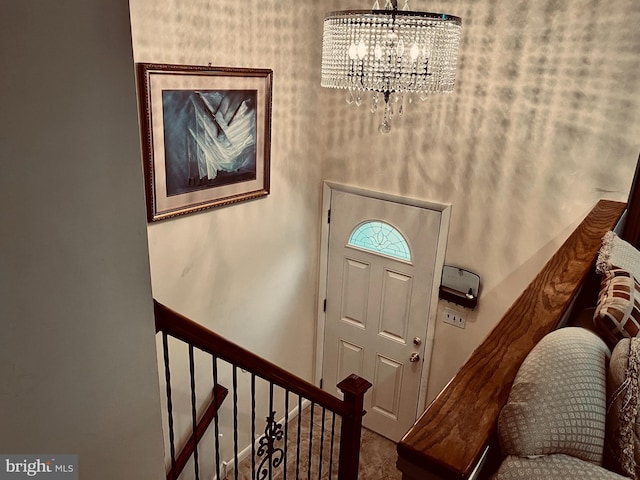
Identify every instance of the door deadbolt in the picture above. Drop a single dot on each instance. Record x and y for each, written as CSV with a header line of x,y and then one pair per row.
x,y
417,341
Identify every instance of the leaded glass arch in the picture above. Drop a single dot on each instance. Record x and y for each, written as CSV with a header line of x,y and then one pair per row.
x,y
380,237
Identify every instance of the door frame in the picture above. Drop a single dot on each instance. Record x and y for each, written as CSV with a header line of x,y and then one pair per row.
x,y
445,218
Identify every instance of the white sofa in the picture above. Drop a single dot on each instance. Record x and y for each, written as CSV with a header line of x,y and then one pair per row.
x,y
555,423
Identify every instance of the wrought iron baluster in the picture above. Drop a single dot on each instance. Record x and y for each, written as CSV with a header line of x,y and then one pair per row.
x,y
273,455
333,436
310,441
298,439
194,417
273,420
167,374
277,454
253,425
321,445
286,431
235,423
214,368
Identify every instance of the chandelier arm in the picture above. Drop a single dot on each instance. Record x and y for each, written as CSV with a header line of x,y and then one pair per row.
x,y
391,53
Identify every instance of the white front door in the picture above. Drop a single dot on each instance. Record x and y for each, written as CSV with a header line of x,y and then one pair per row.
x,y
380,274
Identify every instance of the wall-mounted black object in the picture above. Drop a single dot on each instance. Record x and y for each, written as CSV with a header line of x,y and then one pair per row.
x,y
459,286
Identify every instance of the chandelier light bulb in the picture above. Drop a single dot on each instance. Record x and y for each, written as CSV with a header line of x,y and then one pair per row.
x,y
390,52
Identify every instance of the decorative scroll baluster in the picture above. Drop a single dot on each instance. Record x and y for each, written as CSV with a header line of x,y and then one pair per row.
x,y
273,456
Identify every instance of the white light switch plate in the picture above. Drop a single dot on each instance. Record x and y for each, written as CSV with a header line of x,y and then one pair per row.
x,y
454,317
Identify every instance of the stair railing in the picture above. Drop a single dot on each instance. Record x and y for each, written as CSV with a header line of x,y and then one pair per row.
x,y
268,454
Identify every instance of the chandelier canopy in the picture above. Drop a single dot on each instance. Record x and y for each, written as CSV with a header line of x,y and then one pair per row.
x,y
392,53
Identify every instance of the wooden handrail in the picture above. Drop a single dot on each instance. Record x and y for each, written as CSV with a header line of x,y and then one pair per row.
x,y
450,437
219,394
179,326
353,387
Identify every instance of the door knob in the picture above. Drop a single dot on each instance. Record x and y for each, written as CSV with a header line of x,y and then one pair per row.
x,y
415,357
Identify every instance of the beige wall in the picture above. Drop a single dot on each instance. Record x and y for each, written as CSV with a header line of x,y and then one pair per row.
x,y
77,353
545,120
248,271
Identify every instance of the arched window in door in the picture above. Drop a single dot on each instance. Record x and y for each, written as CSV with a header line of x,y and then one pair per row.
x,y
382,238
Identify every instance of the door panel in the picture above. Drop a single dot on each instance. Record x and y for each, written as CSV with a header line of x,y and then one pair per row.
x,y
388,378
355,290
350,360
396,298
377,304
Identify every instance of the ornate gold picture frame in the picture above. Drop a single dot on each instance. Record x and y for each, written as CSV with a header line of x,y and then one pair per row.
x,y
206,135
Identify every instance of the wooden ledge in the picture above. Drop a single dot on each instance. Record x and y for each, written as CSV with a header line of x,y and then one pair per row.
x,y
450,437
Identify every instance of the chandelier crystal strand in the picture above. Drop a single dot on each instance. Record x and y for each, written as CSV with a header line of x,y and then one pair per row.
x,y
391,52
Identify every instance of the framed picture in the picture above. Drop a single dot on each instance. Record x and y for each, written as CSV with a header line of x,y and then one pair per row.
x,y
206,136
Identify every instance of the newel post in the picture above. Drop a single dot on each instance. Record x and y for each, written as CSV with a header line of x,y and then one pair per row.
x,y
353,387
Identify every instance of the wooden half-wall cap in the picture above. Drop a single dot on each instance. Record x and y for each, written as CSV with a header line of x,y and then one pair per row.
x,y
450,438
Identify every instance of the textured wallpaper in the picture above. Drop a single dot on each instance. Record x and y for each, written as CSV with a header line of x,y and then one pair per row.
x,y
544,121
248,271
205,264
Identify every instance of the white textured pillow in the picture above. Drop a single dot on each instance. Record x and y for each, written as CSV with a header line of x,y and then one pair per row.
x,y
557,402
622,448
615,252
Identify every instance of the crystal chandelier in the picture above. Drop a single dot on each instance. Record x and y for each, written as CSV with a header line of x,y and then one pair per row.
x,y
392,53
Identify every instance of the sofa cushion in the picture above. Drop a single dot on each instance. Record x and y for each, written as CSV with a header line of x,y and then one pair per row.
x,y
562,467
616,252
622,447
557,403
617,313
